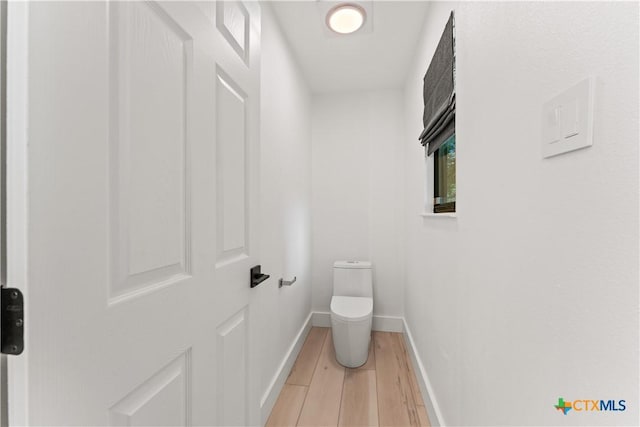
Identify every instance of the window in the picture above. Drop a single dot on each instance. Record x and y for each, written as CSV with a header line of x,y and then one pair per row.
x,y
438,136
444,177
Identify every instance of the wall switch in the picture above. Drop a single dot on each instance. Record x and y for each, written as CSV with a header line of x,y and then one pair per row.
x,y
554,133
567,120
571,119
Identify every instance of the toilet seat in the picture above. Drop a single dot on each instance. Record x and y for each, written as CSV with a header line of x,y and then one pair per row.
x,y
351,309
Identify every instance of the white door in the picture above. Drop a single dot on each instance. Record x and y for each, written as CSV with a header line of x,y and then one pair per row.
x,y
134,155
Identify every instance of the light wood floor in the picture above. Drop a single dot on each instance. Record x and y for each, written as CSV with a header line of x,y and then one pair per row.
x,y
321,392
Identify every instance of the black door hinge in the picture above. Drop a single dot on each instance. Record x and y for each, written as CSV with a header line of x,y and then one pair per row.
x,y
12,326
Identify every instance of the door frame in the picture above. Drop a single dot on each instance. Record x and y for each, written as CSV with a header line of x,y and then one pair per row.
x,y
3,205
16,197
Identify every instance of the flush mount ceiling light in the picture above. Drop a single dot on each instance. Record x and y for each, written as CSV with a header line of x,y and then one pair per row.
x,y
346,18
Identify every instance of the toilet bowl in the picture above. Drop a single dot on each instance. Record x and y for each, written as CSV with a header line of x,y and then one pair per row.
x,y
351,329
351,311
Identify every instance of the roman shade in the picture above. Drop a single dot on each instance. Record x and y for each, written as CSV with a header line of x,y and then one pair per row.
x,y
439,94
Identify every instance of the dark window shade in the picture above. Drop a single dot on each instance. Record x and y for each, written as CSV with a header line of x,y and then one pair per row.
x,y
439,94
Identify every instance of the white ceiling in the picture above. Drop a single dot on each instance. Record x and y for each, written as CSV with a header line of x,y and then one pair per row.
x,y
377,58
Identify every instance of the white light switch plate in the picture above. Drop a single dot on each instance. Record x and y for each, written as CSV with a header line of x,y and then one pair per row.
x,y
567,120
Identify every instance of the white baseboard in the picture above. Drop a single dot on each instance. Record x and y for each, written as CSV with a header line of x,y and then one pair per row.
x,y
321,319
380,323
430,403
388,324
277,382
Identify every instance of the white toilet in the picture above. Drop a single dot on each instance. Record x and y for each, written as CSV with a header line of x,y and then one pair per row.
x,y
351,311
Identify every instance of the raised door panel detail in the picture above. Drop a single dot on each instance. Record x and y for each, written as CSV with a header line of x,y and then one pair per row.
x,y
232,371
233,22
231,137
151,59
162,400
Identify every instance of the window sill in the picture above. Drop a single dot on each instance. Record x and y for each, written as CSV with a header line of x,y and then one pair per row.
x,y
439,215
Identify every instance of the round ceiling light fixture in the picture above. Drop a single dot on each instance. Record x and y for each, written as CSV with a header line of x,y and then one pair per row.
x,y
346,18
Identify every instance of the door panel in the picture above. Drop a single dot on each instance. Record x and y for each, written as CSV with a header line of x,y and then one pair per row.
x,y
231,166
150,72
232,370
141,230
162,400
233,22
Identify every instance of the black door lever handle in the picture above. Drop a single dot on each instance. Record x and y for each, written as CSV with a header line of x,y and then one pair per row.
x,y
256,276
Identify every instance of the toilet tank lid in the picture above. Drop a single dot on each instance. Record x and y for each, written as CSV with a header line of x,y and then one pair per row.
x,y
352,264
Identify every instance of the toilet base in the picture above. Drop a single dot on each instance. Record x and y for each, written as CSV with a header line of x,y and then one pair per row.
x,y
351,341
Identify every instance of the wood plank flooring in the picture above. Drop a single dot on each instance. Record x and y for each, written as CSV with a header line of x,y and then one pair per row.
x,y
321,392
302,370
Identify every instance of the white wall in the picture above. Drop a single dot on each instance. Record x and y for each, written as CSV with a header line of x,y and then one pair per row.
x,y
355,141
532,292
285,180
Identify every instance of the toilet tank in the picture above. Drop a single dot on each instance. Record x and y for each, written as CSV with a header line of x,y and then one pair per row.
x,y
352,279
